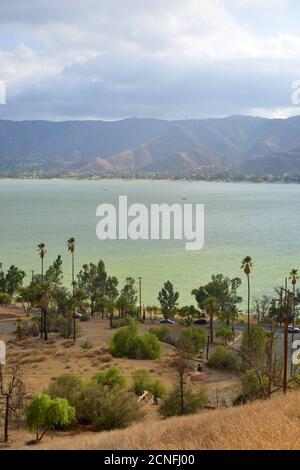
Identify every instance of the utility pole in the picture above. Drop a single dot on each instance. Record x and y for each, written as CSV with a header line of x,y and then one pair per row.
x,y
140,297
287,303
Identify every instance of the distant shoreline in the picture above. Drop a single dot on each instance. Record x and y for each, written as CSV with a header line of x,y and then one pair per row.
x,y
149,179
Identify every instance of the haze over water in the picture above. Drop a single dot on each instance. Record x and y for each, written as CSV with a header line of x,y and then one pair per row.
x,y
260,220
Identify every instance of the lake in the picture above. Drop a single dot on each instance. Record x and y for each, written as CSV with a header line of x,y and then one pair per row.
x,y
260,220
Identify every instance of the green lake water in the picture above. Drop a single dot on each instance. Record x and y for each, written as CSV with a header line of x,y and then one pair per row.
x,y
260,220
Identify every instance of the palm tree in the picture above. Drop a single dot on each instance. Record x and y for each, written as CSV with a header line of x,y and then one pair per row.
x,y
42,252
294,276
71,249
211,305
246,266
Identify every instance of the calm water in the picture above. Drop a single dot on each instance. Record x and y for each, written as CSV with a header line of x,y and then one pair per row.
x,y
240,219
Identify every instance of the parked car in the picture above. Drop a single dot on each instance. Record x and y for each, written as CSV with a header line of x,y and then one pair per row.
x,y
200,321
168,321
293,329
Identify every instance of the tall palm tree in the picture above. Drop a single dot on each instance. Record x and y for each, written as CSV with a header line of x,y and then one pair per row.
x,y
246,267
42,251
211,305
71,249
294,276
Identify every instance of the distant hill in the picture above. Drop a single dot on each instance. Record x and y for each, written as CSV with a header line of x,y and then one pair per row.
x,y
237,144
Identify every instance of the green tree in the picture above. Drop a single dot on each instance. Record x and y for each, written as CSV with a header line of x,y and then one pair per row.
x,y
188,313
91,280
12,280
128,298
168,300
44,414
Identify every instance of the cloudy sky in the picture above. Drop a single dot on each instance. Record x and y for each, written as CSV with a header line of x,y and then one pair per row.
x,y
173,59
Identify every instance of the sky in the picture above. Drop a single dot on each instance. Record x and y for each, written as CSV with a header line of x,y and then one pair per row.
x,y
168,59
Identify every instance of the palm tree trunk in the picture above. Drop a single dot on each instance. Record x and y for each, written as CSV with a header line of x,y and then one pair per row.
x,y
248,312
73,290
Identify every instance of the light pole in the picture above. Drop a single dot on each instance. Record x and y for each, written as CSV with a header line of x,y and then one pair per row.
x,y
140,296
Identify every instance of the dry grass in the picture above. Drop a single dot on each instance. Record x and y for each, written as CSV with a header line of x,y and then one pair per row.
x,y
261,425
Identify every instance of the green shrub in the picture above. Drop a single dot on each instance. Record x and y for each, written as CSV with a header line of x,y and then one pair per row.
x,y
86,345
111,378
65,327
119,322
5,299
252,389
193,402
222,358
225,334
67,386
127,343
164,334
106,408
141,381
43,414
192,339
116,409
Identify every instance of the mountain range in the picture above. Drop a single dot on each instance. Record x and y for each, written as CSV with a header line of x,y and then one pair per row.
x,y
237,144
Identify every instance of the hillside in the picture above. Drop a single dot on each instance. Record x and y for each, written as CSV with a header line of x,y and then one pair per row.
x,y
237,145
263,425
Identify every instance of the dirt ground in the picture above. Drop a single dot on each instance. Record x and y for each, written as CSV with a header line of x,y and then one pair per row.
x,y
41,362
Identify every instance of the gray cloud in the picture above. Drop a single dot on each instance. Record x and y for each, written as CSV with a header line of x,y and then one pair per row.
x,y
172,59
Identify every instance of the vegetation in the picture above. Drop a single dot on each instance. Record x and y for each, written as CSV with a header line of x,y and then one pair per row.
x,y
168,300
128,343
192,402
222,358
44,414
142,381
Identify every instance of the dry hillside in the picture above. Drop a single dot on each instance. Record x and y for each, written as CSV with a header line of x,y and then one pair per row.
x,y
262,425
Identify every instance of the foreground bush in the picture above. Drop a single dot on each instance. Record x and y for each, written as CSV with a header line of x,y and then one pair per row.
x,y
106,408
127,343
192,402
115,410
44,414
222,358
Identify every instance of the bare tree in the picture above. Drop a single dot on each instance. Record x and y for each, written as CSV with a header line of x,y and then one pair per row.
x,y
12,390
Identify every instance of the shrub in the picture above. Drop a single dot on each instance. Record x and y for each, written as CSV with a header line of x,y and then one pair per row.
x,y
222,358
116,409
150,346
142,382
225,334
86,345
127,343
107,408
67,386
193,402
5,299
119,322
111,378
164,333
65,327
192,339
43,414
252,389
